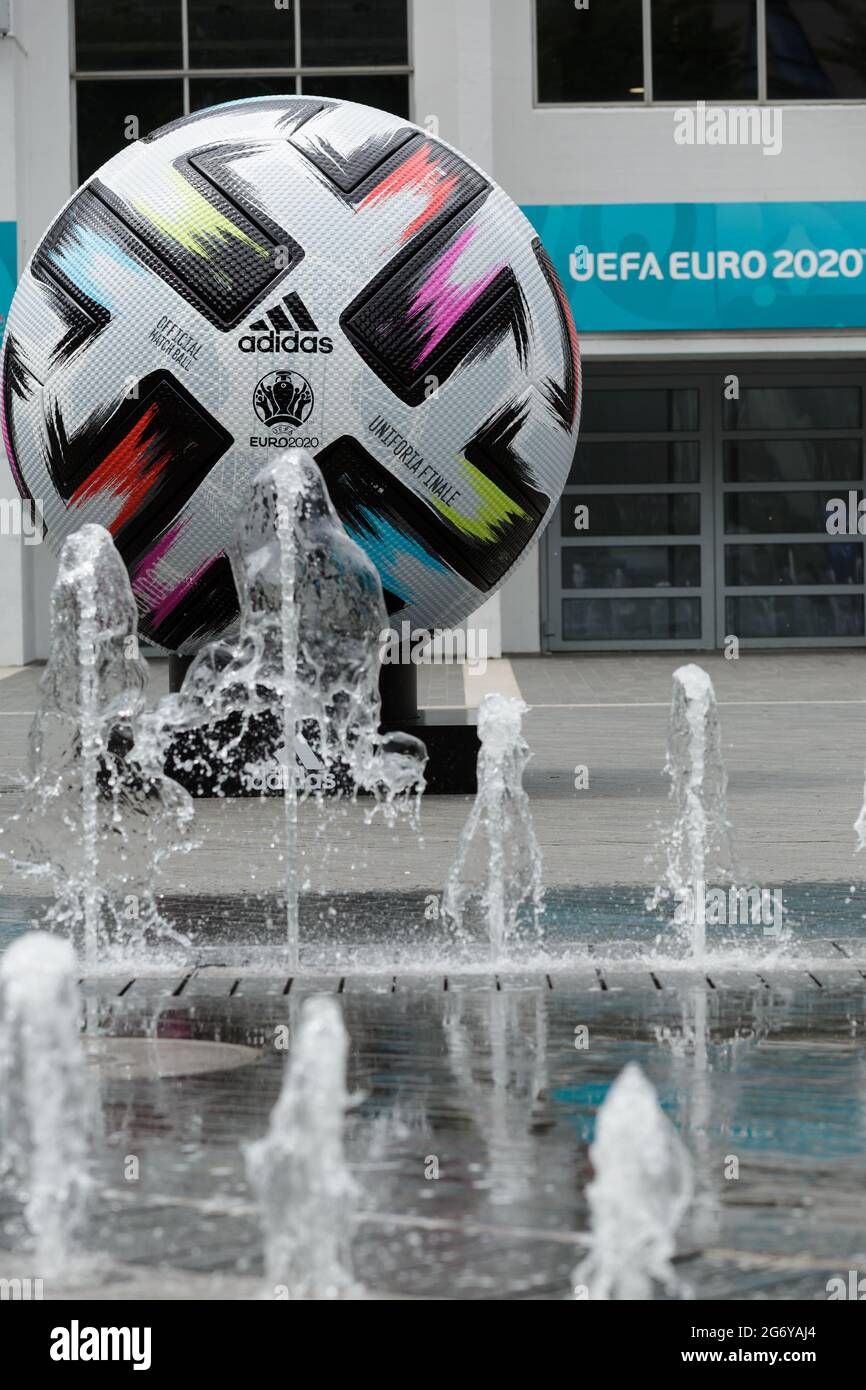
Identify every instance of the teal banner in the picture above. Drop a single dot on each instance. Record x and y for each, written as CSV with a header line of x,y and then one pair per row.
x,y
8,269
645,267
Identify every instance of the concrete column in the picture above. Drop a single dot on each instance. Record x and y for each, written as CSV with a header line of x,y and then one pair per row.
x,y
12,549
35,180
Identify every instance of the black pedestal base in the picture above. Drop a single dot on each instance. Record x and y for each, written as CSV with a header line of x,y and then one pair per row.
x,y
451,740
450,737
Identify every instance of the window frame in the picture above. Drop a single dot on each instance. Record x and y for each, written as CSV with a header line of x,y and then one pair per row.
x,y
295,73
761,99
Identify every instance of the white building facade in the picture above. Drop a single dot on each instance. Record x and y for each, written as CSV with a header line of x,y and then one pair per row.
x,y
700,188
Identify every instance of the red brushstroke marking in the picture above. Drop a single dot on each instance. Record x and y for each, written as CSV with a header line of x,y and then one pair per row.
x,y
132,469
422,173
572,336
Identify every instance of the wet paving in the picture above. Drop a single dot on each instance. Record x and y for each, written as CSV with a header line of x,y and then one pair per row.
x,y
474,1100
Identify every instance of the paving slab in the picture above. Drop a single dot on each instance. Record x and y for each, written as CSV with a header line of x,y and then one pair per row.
x,y
794,735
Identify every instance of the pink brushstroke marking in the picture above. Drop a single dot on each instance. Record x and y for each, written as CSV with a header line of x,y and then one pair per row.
x,y
443,303
180,591
144,582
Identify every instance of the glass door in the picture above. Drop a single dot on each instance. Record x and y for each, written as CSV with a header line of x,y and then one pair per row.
x,y
630,553
788,446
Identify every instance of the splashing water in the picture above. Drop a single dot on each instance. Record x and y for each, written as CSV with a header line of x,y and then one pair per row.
x,y
511,886
298,1171
95,821
304,666
639,1195
697,847
44,1101
860,822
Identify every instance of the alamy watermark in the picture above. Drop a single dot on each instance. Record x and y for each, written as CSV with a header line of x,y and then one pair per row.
x,y
439,646
21,1290
846,516
730,125
77,1343
731,907
854,1288
22,516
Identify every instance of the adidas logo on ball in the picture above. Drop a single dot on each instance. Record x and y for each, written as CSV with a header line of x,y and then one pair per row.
x,y
285,330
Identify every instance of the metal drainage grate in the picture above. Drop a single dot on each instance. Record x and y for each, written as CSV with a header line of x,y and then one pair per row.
x,y
229,983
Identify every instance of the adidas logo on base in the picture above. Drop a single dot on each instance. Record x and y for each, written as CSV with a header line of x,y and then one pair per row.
x,y
285,330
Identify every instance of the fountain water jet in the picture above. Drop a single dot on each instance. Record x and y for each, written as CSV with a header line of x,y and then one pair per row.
x,y
298,1171
96,820
512,880
44,1102
304,666
639,1195
697,847
287,484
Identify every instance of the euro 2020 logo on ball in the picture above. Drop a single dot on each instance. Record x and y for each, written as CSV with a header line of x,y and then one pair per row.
x,y
283,398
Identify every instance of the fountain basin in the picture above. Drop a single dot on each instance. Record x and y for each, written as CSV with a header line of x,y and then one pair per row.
x,y
479,1069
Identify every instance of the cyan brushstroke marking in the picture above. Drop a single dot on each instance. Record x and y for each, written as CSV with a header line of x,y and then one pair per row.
x,y
77,257
385,550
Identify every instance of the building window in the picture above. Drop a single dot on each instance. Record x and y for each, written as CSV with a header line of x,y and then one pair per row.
x,y
705,50
626,51
589,55
816,49
155,60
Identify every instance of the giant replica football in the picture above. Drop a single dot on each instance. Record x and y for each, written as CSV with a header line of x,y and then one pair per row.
x,y
288,272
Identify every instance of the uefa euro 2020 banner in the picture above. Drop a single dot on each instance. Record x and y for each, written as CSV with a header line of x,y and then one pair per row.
x,y
643,267
8,273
